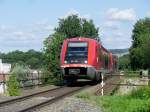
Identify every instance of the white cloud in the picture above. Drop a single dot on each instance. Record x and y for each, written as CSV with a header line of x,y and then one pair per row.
x,y
3,27
121,15
148,14
71,12
18,33
116,39
111,25
74,12
6,28
43,26
118,34
49,27
23,37
117,28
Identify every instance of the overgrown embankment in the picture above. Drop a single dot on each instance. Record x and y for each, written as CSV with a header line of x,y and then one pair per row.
x,y
134,99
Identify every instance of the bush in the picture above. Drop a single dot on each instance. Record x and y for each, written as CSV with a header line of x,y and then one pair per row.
x,y
142,93
22,72
48,78
13,86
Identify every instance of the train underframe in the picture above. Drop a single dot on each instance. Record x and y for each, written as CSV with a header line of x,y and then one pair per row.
x,y
71,74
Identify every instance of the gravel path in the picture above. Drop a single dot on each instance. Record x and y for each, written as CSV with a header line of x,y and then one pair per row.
x,y
71,104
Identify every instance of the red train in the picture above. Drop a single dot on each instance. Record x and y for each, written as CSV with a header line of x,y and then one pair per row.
x,y
85,58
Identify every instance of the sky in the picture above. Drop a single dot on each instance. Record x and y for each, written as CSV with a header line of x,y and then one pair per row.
x,y
24,24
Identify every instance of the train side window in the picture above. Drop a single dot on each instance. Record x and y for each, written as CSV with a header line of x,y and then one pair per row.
x,y
96,48
100,54
106,61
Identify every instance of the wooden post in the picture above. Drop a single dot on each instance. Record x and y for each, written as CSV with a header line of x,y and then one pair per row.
x,y
32,79
4,82
38,79
102,83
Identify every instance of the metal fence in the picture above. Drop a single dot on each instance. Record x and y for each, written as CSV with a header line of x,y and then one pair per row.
x,y
32,80
123,75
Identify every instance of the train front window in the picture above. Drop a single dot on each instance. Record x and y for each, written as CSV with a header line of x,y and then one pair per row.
x,y
77,52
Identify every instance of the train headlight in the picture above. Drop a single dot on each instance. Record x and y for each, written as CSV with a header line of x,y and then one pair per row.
x,y
65,62
85,61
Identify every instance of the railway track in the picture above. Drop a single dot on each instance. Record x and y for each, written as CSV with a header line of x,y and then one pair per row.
x,y
17,99
34,101
50,101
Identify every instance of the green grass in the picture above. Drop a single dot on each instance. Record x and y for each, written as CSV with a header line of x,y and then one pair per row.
x,y
136,101
132,73
84,95
124,104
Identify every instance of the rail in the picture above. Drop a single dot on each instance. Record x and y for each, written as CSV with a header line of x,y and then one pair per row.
x,y
10,101
51,96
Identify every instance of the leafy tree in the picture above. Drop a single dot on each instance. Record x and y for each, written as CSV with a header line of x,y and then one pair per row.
x,y
70,26
33,62
136,57
33,58
89,29
139,50
124,62
14,57
145,49
141,27
73,26
52,50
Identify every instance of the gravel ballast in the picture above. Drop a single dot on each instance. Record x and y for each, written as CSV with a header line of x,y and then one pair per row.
x,y
70,104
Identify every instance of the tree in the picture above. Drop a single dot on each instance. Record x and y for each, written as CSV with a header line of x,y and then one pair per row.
x,y
139,50
124,62
73,26
141,27
33,58
33,63
70,26
89,29
52,50
145,49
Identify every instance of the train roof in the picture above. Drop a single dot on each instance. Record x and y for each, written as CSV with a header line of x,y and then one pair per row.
x,y
81,38
87,39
